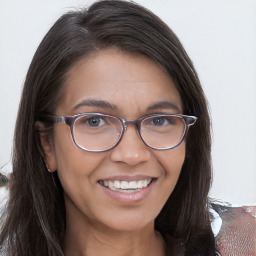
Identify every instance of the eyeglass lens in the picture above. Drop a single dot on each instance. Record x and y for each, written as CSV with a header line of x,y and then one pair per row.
x,y
101,132
97,132
162,131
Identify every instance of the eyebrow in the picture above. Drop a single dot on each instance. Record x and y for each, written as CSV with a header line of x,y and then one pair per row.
x,y
163,104
106,105
96,103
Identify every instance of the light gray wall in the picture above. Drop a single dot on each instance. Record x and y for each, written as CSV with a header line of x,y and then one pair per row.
x,y
219,36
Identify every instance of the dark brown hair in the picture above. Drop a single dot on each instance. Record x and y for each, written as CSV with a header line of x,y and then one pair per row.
x,y
35,217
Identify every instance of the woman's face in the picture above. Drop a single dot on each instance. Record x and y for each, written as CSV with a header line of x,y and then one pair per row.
x,y
130,86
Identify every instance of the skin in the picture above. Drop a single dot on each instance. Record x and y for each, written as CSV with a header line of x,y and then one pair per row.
x,y
97,224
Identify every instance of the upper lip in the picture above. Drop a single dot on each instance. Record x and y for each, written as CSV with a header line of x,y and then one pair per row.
x,y
129,177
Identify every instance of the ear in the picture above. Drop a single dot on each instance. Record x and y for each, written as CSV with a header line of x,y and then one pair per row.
x,y
46,146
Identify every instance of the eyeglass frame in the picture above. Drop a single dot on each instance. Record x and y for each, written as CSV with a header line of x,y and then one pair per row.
x,y
70,121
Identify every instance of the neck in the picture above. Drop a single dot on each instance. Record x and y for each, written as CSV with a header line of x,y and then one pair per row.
x,y
94,239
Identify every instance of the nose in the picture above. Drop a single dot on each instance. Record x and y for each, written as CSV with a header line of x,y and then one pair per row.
x,y
131,149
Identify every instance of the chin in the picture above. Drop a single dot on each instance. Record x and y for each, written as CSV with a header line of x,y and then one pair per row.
x,y
129,227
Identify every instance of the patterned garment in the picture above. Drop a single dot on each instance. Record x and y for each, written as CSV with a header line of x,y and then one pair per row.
x,y
237,232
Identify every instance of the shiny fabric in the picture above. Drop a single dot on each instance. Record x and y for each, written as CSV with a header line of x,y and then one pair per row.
x,y
237,235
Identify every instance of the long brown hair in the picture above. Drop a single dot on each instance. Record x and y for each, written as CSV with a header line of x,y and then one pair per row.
x,y
35,216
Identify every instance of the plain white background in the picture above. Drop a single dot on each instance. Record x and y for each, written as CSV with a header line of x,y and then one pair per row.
x,y
220,38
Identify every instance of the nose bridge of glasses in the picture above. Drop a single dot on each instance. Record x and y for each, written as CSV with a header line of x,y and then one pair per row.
x,y
135,122
135,129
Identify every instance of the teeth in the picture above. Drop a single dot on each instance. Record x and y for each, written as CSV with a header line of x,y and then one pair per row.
x,y
116,183
123,185
126,185
111,184
133,184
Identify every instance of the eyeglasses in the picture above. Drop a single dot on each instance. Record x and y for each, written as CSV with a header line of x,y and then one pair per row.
x,y
98,132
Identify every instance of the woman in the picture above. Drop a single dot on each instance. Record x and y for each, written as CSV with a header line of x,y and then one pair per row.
x,y
106,107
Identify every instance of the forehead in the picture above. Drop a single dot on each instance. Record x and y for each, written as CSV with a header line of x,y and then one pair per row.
x,y
123,79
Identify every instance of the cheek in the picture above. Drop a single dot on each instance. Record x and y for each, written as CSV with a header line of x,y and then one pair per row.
x,y
73,164
172,161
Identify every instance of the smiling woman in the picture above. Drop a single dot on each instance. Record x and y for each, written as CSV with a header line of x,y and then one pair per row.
x,y
113,109
109,175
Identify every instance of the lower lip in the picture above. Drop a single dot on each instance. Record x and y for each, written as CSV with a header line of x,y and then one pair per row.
x,y
128,198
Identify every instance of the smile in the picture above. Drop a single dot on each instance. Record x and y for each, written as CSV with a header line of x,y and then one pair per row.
x,y
126,186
